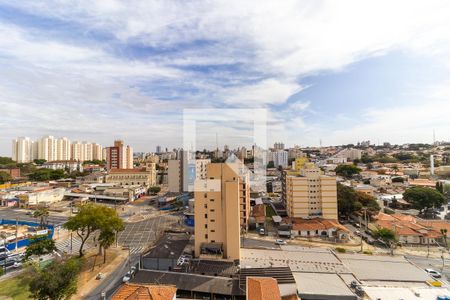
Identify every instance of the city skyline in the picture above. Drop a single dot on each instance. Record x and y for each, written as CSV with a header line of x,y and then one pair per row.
x,y
105,71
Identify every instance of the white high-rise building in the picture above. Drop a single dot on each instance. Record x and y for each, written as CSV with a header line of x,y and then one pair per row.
x,y
22,150
97,151
48,148
63,149
280,158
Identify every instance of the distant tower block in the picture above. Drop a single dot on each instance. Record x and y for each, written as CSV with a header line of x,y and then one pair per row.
x,y
432,165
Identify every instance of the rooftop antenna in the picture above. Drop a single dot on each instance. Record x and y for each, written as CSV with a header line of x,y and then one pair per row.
x,y
434,137
320,143
217,142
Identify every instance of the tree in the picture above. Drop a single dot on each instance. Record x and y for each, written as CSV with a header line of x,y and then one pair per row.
x,y
350,201
155,190
423,198
39,162
93,217
444,236
5,177
47,174
398,179
40,246
347,171
57,281
106,239
387,236
6,161
42,213
270,165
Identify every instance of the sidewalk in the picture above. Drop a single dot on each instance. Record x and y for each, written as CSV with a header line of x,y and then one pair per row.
x,y
87,282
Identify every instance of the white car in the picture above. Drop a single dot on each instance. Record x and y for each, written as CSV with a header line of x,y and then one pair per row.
x,y
280,242
127,277
433,273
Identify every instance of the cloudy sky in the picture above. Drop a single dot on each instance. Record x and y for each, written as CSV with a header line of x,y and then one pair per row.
x,y
336,71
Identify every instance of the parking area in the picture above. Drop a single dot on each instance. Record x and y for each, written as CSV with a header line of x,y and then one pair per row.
x,y
26,215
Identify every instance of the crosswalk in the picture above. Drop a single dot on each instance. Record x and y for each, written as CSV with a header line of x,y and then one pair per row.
x,y
64,245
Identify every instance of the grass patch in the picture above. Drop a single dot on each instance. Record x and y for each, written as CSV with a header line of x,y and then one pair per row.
x,y
340,250
14,288
367,252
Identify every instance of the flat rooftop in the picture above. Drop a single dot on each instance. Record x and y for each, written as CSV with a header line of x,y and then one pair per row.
x,y
322,286
298,259
383,268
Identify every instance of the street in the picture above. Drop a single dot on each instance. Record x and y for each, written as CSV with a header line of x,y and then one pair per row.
x,y
21,214
433,263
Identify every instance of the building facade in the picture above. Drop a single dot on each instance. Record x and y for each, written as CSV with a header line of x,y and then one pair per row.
x,y
182,173
311,194
144,176
222,205
119,156
22,150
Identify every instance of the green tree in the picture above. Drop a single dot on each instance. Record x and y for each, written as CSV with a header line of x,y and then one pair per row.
x,y
347,171
5,177
350,201
39,162
57,281
444,237
40,246
93,217
423,198
47,174
155,190
270,165
387,236
42,213
106,239
398,179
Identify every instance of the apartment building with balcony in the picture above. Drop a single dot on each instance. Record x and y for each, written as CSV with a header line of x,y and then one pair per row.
x,y
311,194
222,207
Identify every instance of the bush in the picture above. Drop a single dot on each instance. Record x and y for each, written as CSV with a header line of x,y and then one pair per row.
x,y
340,250
367,252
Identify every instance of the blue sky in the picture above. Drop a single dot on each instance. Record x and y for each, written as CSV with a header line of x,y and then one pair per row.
x,y
339,73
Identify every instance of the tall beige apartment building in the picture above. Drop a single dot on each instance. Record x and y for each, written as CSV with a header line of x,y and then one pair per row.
x,y
222,207
183,172
311,194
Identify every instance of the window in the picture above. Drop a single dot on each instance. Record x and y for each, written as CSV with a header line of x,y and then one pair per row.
x,y
205,195
212,200
212,210
206,216
206,236
206,205
212,230
212,220
206,226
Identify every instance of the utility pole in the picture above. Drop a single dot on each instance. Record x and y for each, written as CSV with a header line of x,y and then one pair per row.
x,y
17,233
361,234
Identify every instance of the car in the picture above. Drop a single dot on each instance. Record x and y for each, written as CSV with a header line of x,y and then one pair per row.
x,y
133,270
127,277
17,264
262,231
357,225
433,273
357,232
99,276
280,242
29,213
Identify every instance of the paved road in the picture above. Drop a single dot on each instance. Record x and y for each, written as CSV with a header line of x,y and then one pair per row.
x,y
13,213
433,263
258,244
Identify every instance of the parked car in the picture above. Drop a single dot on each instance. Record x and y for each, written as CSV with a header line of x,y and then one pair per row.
x,y
127,277
357,232
433,273
280,242
262,231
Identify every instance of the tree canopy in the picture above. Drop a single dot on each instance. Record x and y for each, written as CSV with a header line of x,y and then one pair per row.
x,y
5,177
40,246
155,190
350,201
47,174
56,281
347,171
422,197
93,217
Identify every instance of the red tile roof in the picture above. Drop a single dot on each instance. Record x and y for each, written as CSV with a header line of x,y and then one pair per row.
x,y
262,288
145,292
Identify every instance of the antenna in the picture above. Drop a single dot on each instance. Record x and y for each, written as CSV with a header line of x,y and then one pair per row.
x,y
320,143
434,137
217,142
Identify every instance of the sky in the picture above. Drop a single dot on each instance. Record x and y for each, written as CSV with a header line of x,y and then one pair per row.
x,y
338,72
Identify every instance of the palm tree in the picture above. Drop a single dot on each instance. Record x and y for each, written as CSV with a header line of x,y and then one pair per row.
x,y
395,169
42,213
106,239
